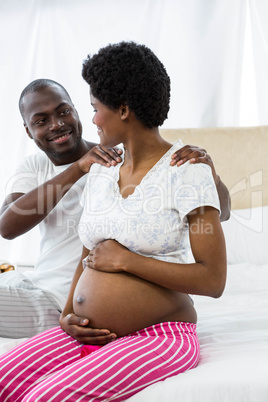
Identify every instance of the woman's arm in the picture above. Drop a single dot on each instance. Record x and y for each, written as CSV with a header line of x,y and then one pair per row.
x,y
78,327
206,276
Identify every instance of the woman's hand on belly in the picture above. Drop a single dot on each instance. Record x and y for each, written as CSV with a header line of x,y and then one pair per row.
x,y
107,256
79,328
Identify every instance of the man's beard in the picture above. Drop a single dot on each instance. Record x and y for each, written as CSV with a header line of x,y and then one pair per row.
x,y
63,155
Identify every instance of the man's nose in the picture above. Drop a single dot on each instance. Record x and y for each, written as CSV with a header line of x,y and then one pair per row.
x,y
56,123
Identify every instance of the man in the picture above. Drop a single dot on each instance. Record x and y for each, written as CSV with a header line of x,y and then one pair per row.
x,y
46,191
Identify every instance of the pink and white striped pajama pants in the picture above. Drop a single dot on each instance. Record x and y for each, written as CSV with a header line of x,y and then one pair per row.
x,y
49,366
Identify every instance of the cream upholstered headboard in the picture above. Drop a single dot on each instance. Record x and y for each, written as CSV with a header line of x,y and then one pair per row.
x,y
239,155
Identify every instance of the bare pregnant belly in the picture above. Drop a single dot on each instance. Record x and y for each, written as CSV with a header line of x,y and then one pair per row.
x,y
124,303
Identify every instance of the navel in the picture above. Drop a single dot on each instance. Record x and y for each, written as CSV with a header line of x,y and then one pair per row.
x,y
80,299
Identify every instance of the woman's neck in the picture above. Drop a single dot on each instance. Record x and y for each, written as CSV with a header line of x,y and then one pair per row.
x,y
144,148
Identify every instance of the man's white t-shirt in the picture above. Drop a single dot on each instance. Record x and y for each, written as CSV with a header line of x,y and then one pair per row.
x,y
60,247
153,220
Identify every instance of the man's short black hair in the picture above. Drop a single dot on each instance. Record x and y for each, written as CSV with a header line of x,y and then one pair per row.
x,y
36,86
131,74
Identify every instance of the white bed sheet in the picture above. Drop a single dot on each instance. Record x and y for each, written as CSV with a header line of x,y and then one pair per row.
x,y
9,343
233,333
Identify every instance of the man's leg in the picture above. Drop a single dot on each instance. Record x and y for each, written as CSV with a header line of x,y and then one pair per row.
x,y
24,309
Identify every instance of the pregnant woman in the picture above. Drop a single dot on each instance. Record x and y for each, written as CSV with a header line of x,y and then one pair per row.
x,y
151,236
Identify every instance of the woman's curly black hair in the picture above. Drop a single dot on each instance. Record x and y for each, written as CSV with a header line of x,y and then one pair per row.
x,y
131,74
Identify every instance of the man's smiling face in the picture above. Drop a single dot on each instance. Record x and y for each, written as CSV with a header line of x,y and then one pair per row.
x,y
52,122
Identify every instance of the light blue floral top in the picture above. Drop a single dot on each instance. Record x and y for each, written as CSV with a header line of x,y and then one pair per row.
x,y
152,221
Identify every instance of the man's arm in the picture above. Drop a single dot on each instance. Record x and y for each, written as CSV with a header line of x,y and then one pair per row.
x,y
225,200
194,154
21,212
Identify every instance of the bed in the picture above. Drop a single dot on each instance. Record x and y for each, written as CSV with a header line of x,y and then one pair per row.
x,y
233,330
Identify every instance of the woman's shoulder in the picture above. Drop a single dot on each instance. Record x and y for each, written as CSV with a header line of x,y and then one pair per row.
x,y
186,168
97,169
99,177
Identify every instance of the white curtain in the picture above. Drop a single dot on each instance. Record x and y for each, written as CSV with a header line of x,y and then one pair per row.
x,y
259,19
201,43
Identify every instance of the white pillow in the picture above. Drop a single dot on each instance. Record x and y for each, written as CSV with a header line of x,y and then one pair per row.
x,y
246,236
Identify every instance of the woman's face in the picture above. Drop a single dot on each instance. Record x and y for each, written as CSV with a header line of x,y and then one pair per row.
x,y
108,122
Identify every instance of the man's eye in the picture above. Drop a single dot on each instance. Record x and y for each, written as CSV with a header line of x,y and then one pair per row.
x,y
40,121
65,111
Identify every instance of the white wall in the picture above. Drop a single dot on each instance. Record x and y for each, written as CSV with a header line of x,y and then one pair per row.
x,y
201,43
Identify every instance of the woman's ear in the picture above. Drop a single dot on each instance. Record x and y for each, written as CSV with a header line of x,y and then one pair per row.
x,y
124,111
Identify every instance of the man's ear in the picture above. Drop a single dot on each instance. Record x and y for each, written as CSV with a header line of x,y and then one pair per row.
x,y
124,111
27,131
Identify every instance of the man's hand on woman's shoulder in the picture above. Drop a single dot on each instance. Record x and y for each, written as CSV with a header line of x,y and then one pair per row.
x,y
193,154
104,156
